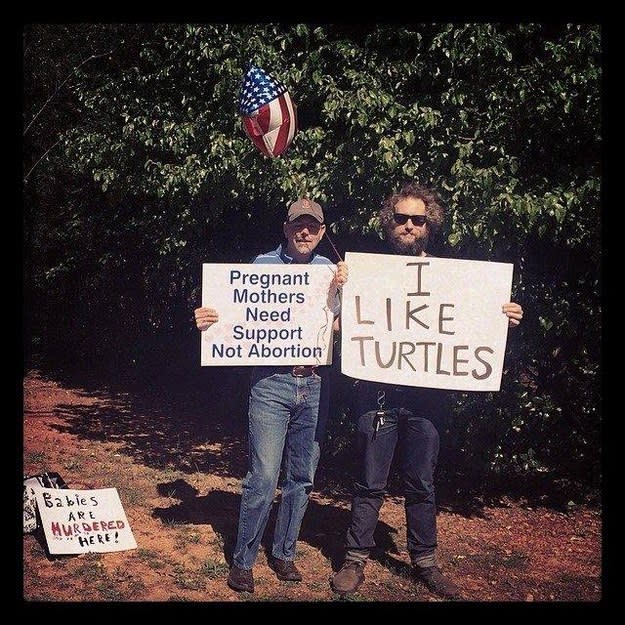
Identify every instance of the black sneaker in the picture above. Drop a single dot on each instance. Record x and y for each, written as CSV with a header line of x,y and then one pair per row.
x,y
285,570
241,580
349,578
436,582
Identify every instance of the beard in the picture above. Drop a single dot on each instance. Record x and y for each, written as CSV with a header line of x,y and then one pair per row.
x,y
413,246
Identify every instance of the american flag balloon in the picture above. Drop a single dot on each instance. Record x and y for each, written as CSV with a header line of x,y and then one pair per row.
x,y
269,114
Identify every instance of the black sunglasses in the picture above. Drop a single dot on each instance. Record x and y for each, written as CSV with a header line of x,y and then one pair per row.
x,y
417,220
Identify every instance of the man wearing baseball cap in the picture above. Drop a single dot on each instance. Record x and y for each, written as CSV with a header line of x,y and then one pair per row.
x,y
286,418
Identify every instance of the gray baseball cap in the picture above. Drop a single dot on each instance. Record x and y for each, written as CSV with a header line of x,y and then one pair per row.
x,y
304,206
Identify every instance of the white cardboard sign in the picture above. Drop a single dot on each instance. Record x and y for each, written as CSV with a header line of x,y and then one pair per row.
x,y
83,521
268,314
425,321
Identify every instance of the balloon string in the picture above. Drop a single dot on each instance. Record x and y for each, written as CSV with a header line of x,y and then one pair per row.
x,y
332,244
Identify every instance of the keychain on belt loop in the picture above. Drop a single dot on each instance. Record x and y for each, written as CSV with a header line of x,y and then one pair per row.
x,y
381,400
380,413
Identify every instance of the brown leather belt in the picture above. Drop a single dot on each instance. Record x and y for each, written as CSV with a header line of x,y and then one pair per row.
x,y
303,371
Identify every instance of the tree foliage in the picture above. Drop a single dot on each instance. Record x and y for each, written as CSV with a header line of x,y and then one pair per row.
x,y
137,170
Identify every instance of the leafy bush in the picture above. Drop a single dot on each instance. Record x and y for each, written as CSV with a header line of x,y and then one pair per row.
x,y
137,170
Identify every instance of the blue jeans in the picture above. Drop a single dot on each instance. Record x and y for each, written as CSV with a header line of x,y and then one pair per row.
x,y
286,425
413,434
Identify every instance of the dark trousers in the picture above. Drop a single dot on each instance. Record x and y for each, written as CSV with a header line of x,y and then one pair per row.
x,y
415,438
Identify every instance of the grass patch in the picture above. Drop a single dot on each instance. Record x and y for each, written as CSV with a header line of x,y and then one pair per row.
x,y
131,496
110,591
219,541
136,588
61,561
37,458
188,580
351,598
89,572
152,558
186,537
72,465
169,474
213,569
172,523
92,557
120,574
142,553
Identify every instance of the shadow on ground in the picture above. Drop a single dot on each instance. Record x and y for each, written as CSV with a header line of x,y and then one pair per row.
x,y
195,424
196,421
323,527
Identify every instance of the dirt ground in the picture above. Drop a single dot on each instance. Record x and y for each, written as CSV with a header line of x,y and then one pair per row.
x,y
180,483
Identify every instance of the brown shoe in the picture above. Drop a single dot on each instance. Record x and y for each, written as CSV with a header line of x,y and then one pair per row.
x,y
285,570
241,580
436,582
349,578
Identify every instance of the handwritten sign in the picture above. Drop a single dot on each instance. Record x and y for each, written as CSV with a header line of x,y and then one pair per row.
x,y
423,321
268,314
83,521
